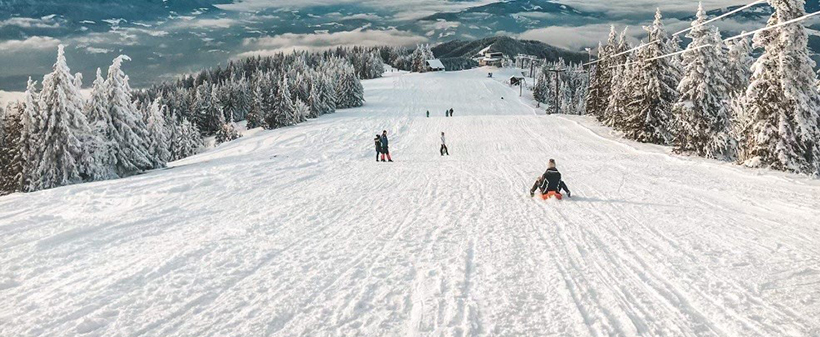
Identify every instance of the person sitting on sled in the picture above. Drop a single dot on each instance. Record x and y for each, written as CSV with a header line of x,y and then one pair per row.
x,y
550,184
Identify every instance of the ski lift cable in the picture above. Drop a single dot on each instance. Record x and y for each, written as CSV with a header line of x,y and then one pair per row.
x,y
739,36
747,6
725,15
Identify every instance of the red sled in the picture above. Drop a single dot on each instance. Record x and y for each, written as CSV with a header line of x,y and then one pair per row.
x,y
552,194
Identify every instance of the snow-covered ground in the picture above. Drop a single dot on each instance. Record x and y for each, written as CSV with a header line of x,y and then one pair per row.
x,y
299,232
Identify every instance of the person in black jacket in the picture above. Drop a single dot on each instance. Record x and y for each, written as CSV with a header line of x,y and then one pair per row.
x,y
550,183
385,146
378,141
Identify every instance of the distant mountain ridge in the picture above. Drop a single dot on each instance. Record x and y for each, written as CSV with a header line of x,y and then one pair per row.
x,y
458,54
511,7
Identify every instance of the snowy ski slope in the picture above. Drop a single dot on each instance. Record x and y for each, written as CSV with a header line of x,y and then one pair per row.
x,y
299,232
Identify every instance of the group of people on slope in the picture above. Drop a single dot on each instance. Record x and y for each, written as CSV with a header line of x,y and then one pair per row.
x,y
447,113
382,146
383,149
549,184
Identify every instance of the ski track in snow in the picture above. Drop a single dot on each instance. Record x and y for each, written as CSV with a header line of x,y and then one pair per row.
x,y
298,232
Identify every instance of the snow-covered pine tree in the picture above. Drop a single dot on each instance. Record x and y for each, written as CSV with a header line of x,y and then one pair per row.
x,y
172,130
190,139
256,114
701,115
227,132
283,111
129,135
624,82
30,133
782,103
649,119
351,92
301,109
593,108
740,65
158,137
605,74
11,161
541,92
99,120
61,157
328,95
419,59
203,112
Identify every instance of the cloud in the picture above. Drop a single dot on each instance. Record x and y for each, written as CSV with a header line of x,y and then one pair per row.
x,y
642,8
363,16
44,22
209,23
403,10
7,97
319,41
577,38
94,50
32,43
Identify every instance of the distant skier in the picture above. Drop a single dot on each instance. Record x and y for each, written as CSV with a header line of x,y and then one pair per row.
x,y
550,184
378,141
385,148
444,146
428,113
451,112
446,113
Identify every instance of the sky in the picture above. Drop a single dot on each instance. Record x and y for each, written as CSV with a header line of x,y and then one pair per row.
x,y
166,42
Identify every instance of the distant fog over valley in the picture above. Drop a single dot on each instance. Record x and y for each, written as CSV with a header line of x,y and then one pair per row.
x,y
166,38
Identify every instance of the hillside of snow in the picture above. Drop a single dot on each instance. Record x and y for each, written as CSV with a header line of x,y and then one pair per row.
x,y
299,232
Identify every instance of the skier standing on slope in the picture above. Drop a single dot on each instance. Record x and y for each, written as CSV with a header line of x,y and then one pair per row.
x,y
550,184
451,112
443,146
385,147
378,141
428,113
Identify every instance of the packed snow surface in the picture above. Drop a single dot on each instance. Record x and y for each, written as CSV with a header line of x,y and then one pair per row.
x,y
299,232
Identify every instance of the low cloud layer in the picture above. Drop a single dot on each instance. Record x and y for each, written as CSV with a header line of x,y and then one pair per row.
x,y
319,41
640,8
32,43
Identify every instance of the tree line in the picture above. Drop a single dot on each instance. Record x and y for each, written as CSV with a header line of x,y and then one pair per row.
x,y
715,99
56,137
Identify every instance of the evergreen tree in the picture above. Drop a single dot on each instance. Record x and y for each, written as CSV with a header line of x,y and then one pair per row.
x,y
283,112
30,134
614,105
649,117
740,65
624,92
328,95
11,161
256,114
227,133
781,104
594,91
190,140
351,92
158,135
701,114
541,91
60,158
301,110
129,135
605,74
419,59
104,147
